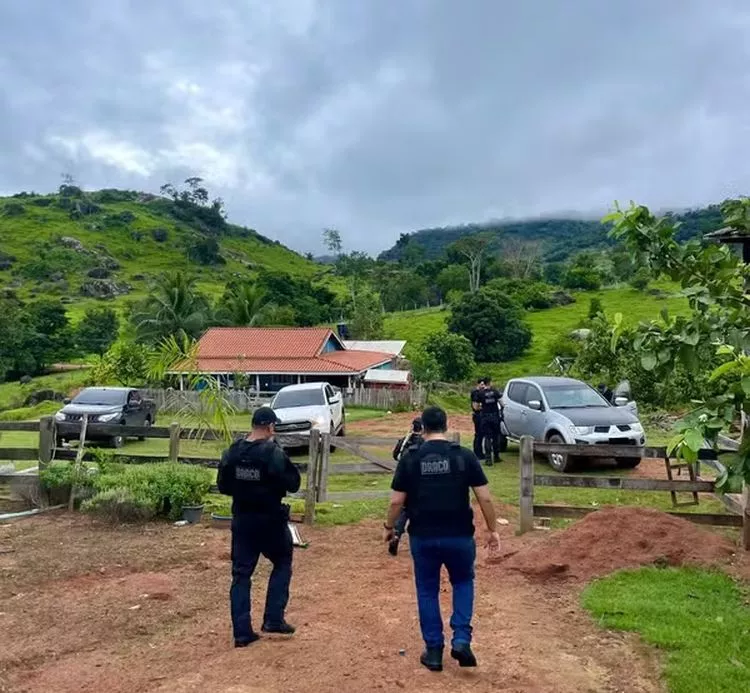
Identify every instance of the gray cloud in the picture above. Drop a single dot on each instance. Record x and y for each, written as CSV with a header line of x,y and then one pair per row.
x,y
379,116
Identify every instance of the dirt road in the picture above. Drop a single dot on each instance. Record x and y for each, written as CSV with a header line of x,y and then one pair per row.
x,y
88,608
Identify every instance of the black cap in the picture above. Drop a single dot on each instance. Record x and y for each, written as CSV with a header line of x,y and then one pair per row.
x,y
265,416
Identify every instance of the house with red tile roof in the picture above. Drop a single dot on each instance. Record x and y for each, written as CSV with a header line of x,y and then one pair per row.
x,y
272,357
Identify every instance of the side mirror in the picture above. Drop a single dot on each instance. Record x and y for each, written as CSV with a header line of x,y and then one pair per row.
x,y
535,404
67,400
621,401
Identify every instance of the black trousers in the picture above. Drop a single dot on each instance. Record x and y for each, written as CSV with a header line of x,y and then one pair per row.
x,y
478,435
491,432
252,536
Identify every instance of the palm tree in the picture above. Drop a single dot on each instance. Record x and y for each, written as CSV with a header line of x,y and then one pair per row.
x,y
174,308
243,305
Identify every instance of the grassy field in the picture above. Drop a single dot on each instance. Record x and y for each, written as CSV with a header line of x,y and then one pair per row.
x,y
546,325
699,618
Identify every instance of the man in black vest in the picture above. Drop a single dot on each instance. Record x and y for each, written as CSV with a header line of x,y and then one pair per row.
x,y
488,406
434,481
412,441
257,474
477,419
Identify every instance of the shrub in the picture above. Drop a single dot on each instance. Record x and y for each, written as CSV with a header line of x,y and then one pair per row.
x,y
640,279
493,323
453,353
119,505
64,475
529,294
160,235
42,201
165,487
595,307
14,209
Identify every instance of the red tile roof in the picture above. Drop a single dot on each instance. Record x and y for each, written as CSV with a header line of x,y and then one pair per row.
x,y
279,350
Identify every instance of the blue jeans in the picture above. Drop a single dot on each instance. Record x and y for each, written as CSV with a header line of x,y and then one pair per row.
x,y
457,554
253,536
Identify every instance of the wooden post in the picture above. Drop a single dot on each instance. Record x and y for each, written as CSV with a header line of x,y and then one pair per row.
x,y
78,461
455,437
527,485
47,440
312,473
174,441
325,460
746,518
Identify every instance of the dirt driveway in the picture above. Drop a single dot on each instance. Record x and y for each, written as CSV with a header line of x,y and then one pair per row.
x,y
88,608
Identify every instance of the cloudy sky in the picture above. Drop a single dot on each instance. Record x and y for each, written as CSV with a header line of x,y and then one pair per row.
x,y
380,116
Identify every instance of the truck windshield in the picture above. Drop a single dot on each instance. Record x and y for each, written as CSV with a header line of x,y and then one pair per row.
x,y
568,396
100,396
298,398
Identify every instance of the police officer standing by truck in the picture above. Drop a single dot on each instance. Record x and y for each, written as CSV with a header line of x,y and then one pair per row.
x,y
477,419
488,407
257,474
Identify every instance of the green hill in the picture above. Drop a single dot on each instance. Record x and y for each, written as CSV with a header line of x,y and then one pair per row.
x,y
88,247
547,325
560,238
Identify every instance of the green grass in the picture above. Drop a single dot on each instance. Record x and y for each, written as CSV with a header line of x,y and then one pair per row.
x,y
699,619
546,325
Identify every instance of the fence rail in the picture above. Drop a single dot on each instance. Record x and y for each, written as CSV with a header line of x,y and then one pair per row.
x,y
247,401
739,512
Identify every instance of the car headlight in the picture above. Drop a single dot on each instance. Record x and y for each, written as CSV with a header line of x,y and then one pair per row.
x,y
582,430
59,416
319,421
636,428
108,417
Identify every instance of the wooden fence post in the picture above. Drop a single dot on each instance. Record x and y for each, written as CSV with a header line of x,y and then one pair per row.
x,y
325,460
174,441
455,437
312,474
746,518
47,440
526,503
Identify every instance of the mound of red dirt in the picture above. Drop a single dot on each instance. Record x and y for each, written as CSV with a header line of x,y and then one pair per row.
x,y
616,538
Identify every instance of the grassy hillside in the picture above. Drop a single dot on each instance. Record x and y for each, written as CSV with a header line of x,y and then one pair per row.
x,y
56,245
560,238
546,325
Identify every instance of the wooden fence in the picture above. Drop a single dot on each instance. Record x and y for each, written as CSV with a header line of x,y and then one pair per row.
x,y
245,401
318,467
739,511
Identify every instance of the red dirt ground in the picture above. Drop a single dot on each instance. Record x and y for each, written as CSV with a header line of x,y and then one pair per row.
x,y
91,608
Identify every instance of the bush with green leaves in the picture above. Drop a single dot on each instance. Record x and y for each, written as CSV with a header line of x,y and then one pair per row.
x,y
166,487
453,353
530,294
64,475
493,323
119,505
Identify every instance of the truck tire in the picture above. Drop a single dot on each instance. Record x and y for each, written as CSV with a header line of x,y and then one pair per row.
x,y
560,462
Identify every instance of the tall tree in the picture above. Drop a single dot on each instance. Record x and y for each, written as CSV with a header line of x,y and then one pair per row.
x,y
332,241
475,249
174,307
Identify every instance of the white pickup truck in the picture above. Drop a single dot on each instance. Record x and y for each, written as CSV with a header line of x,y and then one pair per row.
x,y
308,406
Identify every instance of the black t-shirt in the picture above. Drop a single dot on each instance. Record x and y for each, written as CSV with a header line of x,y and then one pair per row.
x,y
475,398
436,479
257,474
489,398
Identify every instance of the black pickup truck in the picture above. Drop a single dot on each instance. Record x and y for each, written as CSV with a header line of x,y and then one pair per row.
x,y
104,405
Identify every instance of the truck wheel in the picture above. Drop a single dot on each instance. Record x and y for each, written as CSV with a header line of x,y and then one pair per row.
x,y
560,462
116,441
147,424
628,462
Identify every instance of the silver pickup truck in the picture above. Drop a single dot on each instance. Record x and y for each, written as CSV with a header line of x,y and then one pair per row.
x,y
564,410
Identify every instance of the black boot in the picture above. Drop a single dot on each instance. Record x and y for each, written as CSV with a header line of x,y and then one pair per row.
x,y
254,637
282,628
497,460
488,462
432,658
464,656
